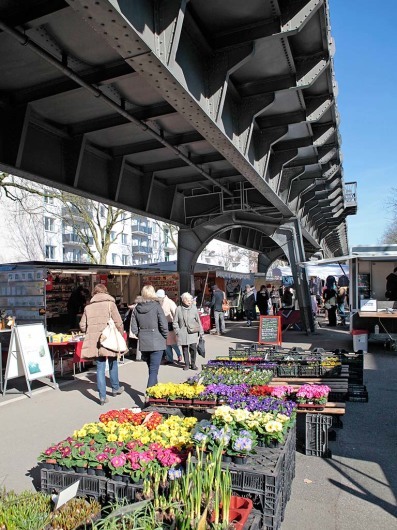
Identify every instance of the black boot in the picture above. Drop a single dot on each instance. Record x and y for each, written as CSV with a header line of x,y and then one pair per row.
x,y
193,361
186,359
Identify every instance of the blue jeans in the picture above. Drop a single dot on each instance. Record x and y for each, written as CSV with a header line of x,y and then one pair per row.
x,y
113,374
153,361
169,352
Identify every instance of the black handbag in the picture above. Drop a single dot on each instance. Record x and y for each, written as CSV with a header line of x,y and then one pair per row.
x,y
201,347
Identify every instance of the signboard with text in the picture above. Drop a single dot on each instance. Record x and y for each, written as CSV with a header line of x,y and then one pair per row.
x,y
270,330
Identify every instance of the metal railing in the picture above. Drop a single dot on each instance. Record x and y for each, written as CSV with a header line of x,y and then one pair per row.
x,y
74,238
141,249
141,229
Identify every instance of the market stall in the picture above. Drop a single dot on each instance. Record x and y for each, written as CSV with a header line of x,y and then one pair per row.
x,y
40,291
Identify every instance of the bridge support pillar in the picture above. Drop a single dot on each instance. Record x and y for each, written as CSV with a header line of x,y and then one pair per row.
x,y
289,237
189,247
265,260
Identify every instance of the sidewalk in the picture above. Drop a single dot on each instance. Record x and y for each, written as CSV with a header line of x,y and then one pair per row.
x,y
351,491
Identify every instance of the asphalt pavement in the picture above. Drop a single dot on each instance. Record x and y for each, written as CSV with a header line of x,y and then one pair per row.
x,y
354,490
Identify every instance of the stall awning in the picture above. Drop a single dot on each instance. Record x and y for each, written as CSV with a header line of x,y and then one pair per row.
x,y
230,274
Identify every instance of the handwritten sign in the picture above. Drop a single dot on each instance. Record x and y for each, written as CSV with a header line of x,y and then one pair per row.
x,y
270,330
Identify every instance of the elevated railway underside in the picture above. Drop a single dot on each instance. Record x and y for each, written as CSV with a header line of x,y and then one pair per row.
x,y
219,117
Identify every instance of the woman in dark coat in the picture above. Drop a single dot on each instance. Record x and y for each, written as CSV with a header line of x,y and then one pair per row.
x,y
330,304
149,323
262,300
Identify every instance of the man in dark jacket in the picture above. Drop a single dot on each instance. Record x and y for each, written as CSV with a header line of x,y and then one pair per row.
x,y
216,302
75,305
391,285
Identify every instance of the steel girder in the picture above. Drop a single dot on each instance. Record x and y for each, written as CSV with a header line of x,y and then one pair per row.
x,y
145,103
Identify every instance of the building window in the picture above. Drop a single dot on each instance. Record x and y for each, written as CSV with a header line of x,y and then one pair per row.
x,y
48,200
112,235
124,259
102,211
124,239
114,259
48,224
167,256
50,252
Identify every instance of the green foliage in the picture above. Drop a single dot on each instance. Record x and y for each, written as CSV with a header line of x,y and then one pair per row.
x,y
24,511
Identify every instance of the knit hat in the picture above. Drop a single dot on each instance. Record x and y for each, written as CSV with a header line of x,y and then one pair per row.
x,y
160,293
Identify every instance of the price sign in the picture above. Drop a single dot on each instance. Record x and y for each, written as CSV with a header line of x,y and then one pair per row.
x,y
270,330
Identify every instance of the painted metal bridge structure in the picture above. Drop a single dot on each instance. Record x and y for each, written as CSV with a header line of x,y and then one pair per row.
x,y
216,115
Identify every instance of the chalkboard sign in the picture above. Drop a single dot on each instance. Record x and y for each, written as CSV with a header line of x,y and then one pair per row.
x,y
270,330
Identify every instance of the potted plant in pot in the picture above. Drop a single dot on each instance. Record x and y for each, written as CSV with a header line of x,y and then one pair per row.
x,y
311,396
205,399
241,445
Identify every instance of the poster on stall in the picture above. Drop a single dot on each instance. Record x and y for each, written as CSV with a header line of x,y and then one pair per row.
x,y
28,355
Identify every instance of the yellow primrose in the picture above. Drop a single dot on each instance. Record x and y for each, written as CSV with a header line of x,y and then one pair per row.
x,y
112,438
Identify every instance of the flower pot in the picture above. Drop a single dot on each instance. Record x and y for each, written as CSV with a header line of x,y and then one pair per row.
x,y
273,443
261,442
47,465
81,470
100,472
204,403
239,459
66,469
240,509
57,467
91,471
226,458
179,402
310,406
117,478
158,400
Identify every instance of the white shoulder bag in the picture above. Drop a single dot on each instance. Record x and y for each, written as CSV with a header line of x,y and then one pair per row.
x,y
111,338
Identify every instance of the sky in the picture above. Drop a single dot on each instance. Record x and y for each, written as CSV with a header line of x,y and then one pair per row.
x,y
366,73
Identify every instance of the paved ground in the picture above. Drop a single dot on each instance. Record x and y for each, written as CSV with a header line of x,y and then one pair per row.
x,y
355,490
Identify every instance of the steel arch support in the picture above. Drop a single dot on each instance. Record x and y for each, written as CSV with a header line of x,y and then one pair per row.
x,y
265,260
289,237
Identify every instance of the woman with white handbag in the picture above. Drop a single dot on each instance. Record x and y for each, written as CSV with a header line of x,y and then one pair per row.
x,y
103,327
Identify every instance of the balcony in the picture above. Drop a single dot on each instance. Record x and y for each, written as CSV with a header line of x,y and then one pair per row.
x,y
141,249
350,197
169,245
141,230
75,259
74,239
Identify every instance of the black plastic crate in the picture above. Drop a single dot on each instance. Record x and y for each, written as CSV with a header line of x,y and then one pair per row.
x,y
90,486
254,521
317,426
337,396
309,370
330,371
120,490
287,371
265,476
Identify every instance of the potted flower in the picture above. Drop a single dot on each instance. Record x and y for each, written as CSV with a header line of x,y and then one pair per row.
x,y
117,467
312,396
241,445
207,398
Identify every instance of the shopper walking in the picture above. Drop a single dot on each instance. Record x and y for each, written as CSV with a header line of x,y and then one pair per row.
x,y
249,303
188,328
169,307
287,299
262,300
329,296
149,324
93,322
216,303
275,299
340,303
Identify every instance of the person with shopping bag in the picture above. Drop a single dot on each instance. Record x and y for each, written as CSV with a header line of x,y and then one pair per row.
x,y
188,329
149,324
98,314
169,308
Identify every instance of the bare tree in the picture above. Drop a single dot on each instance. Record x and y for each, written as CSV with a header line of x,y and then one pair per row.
x,y
169,237
390,234
95,225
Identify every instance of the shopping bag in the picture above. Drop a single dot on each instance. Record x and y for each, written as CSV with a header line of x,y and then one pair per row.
x,y
111,338
201,347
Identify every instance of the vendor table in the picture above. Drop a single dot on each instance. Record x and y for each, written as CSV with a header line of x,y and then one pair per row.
x,y
205,322
376,314
61,351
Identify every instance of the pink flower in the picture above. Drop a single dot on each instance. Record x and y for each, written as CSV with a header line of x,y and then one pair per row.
x,y
101,457
118,461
